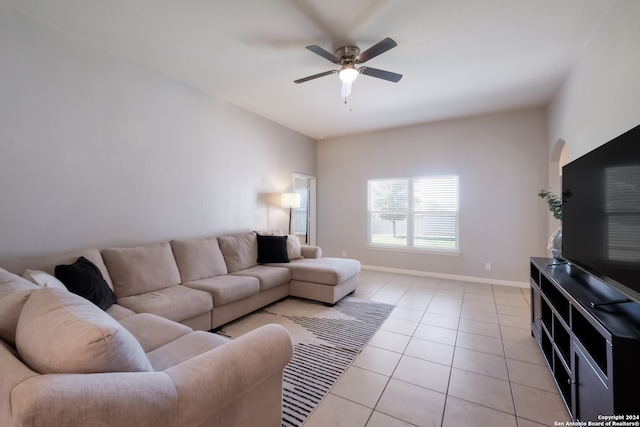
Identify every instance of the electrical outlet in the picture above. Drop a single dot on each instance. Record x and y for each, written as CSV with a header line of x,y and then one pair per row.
x,y
344,253
487,266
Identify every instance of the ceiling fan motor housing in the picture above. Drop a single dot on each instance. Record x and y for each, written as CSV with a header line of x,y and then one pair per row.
x,y
347,54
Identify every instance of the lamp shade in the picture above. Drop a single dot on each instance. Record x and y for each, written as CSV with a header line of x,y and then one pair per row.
x,y
290,200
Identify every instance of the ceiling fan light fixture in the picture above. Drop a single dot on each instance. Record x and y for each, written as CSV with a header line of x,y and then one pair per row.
x,y
348,73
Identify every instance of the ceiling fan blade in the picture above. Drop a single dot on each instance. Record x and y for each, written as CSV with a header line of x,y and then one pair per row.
x,y
381,74
375,50
315,76
326,55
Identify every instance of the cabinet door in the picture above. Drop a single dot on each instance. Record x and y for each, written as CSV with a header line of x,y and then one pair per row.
x,y
592,395
536,311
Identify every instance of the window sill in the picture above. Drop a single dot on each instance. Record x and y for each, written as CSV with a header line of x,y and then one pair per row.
x,y
413,250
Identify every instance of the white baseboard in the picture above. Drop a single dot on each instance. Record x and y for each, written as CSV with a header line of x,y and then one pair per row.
x,y
448,276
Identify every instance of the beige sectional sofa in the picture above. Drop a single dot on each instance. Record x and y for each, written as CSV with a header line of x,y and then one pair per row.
x,y
146,360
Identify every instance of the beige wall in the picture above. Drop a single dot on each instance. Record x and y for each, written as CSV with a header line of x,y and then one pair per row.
x,y
601,97
501,160
98,151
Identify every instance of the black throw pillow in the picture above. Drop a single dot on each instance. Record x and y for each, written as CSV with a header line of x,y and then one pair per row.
x,y
272,249
84,278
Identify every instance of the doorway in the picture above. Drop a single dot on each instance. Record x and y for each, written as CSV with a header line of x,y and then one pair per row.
x,y
305,216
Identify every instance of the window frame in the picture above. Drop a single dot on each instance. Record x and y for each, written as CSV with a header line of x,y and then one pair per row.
x,y
411,213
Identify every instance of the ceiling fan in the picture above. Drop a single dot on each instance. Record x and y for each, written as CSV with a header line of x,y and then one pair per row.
x,y
350,56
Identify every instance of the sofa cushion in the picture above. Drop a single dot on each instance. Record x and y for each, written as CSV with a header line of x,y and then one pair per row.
x,y
153,331
227,289
43,279
177,303
60,332
141,269
269,276
83,278
272,249
198,258
184,348
240,251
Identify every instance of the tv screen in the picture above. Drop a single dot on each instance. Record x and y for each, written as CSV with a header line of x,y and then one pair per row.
x,y
601,213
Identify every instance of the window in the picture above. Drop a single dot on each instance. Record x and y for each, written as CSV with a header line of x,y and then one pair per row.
x,y
300,222
416,213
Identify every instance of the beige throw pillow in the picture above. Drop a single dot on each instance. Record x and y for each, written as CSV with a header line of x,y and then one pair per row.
x,y
60,332
294,249
43,279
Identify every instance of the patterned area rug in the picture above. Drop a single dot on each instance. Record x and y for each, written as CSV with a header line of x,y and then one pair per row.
x,y
326,341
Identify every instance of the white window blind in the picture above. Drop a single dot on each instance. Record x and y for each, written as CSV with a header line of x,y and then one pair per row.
x,y
418,212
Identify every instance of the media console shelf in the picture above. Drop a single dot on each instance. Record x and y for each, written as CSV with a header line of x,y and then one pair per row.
x,y
589,335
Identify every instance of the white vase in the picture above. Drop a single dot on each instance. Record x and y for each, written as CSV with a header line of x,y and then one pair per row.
x,y
555,243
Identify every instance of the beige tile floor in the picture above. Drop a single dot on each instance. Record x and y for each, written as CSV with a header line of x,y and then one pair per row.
x,y
451,354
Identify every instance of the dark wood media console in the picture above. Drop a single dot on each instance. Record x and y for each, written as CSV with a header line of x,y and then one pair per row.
x,y
593,352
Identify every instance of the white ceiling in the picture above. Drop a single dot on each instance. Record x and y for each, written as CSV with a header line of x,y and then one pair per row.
x,y
458,57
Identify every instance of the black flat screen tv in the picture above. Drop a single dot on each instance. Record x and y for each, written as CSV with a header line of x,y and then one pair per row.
x,y
601,213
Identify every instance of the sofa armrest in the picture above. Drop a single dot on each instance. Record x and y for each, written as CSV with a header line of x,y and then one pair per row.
x,y
311,251
122,399
228,376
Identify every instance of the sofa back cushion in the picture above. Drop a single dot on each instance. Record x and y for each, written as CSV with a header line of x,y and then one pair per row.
x,y
60,332
198,259
240,251
142,269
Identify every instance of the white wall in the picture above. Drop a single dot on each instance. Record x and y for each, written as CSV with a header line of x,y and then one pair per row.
x,y
601,98
501,160
98,151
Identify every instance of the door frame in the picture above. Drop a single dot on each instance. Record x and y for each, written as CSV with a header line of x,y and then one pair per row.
x,y
311,187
